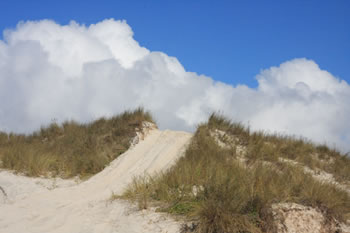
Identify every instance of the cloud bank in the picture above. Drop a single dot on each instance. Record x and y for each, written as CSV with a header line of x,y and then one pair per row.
x,y
50,71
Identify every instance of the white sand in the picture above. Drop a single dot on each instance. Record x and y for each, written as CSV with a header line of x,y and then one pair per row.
x,y
45,206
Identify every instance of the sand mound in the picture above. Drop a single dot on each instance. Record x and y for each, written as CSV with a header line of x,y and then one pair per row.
x,y
42,205
296,218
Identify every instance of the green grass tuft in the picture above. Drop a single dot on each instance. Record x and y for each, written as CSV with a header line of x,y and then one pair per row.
x,y
221,194
72,148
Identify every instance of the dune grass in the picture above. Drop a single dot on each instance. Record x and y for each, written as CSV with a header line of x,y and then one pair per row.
x,y
211,187
271,147
71,149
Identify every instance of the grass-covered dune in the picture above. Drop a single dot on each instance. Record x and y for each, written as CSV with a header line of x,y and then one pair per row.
x,y
71,149
229,178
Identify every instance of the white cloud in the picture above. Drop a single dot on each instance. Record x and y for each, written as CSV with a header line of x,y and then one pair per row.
x,y
49,71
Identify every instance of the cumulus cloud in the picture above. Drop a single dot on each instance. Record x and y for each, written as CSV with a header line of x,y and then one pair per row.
x,y
49,71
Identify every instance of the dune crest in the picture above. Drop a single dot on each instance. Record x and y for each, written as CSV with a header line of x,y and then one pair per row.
x,y
65,206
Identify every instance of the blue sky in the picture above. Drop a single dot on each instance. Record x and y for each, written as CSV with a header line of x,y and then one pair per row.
x,y
230,41
283,65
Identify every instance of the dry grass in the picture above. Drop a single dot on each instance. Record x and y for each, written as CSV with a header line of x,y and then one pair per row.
x,y
271,147
72,148
212,188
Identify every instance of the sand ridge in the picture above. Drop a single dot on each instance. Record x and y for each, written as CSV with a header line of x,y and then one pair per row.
x,y
83,207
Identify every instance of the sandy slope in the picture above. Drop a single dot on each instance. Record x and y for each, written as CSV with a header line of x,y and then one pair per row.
x,y
36,205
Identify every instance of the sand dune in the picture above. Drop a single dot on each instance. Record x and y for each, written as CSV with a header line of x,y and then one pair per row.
x,y
48,205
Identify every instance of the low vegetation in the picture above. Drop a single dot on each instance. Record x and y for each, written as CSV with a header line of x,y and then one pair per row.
x,y
223,190
273,147
71,149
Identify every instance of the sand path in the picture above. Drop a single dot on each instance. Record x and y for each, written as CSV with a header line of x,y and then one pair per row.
x,y
34,206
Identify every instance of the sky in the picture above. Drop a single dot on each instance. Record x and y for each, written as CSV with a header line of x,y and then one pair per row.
x,y
279,66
